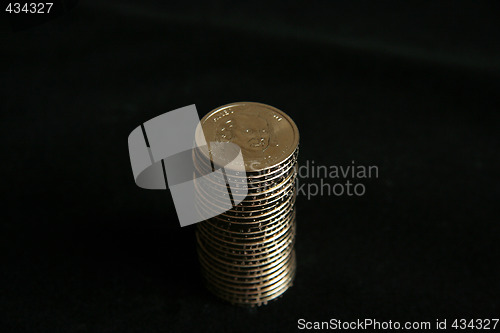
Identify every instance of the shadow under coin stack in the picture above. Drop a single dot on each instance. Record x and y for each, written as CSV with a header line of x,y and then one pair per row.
x,y
246,253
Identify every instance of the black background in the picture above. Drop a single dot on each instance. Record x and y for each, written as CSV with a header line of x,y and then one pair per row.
x,y
411,87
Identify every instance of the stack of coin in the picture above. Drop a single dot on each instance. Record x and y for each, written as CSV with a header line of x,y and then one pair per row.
x,y
246,251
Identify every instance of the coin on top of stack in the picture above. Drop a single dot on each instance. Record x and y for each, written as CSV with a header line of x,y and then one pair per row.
x,y
246,248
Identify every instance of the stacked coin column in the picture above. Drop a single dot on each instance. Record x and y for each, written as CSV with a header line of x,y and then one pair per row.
x,y
246,253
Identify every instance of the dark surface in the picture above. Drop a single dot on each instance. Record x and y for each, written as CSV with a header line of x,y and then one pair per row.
x,y
413,90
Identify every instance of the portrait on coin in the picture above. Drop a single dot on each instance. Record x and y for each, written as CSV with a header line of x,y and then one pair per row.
x,y
250,132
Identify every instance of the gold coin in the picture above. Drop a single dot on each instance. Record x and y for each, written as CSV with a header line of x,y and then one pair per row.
x,y
266,135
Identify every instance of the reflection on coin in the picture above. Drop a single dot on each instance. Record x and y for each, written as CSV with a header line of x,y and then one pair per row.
x,y
246,252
